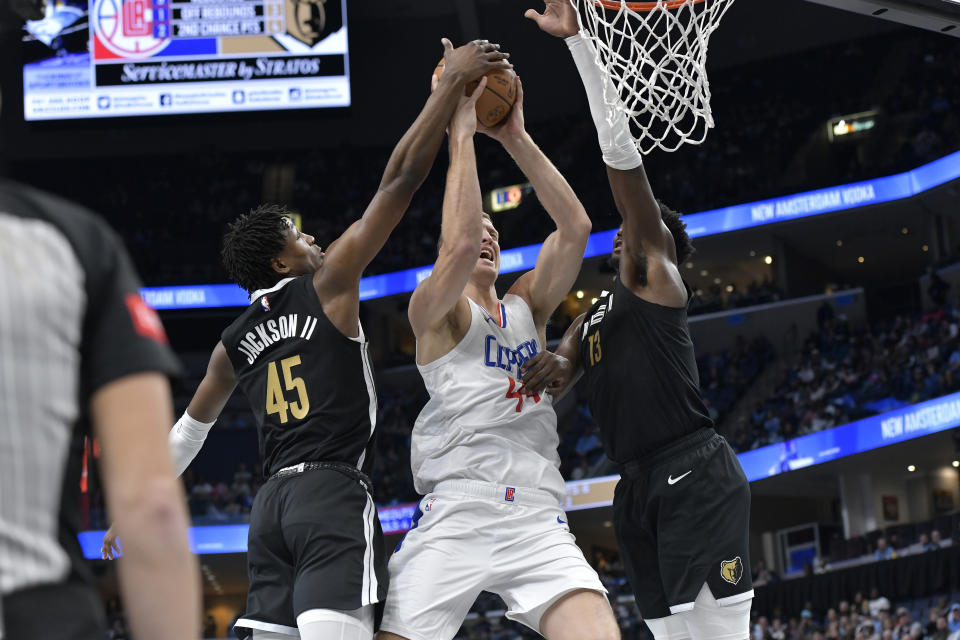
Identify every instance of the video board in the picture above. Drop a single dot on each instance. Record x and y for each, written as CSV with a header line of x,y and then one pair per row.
x,y
109,58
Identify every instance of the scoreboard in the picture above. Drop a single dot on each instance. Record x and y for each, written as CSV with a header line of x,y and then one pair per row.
x,y
197,19
108,58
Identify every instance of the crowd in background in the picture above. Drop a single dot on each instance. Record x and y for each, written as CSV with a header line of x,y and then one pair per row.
x,y
865,618
847,372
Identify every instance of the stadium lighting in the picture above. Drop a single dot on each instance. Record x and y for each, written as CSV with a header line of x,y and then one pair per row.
x,y
579,295
905,231
768,259
955,463
704,273
860,259
689,265
911,468
925,248
593,301
839,243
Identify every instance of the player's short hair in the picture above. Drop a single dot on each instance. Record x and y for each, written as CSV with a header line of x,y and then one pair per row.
x,y
251,243
483,214
678,229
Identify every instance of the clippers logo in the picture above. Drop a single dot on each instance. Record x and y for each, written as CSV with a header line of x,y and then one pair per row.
x,y
265,303
146,322
509,496
131,28
135,18
732,570
429,505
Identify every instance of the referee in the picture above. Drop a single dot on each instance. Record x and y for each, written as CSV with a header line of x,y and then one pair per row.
x,y
80,350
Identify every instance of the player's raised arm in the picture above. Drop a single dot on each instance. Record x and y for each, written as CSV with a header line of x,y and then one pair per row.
x,y
211,396
407,168
461,228
643,231
559,261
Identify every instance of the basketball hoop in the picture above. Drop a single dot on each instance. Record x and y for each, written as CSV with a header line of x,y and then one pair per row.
x,y
655,54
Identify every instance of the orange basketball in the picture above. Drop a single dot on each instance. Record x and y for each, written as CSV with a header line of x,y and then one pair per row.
x,y
498,96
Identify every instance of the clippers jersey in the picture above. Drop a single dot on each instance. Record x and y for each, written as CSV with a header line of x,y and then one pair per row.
x,y
641,374
478,423
310,387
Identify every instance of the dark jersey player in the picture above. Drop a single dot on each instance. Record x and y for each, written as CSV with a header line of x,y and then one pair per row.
x,y
682,507
315,556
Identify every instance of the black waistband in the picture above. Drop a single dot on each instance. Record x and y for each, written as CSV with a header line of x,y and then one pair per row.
x,y
341,467
641,466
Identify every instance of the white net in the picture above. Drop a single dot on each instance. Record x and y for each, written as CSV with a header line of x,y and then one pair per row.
x,y
655,54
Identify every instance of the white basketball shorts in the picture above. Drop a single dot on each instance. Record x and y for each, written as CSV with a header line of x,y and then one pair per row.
x,y
471,536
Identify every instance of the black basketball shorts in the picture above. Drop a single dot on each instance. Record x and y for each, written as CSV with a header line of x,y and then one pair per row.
x,y
315,543
681,515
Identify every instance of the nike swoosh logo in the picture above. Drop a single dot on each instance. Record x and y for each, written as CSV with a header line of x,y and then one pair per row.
x,y
671,480
561,521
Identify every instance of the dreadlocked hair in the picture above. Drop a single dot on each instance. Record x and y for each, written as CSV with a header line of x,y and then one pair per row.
x,y
252,242
678,229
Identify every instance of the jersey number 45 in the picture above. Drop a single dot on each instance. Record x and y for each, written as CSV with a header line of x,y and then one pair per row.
x,y
276,402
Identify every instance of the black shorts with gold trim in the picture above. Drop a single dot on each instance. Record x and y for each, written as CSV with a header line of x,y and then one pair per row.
x,y
681,516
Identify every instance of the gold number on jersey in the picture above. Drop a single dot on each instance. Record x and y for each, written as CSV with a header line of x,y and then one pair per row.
x,y
595,352
276,403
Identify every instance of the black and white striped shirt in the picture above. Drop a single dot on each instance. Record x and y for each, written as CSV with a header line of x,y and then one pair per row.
x,y
71,321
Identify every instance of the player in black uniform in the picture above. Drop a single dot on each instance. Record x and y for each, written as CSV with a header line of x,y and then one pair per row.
x,y
315,555
682,507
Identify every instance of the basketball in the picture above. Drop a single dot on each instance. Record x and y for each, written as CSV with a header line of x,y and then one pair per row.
x,y
498,96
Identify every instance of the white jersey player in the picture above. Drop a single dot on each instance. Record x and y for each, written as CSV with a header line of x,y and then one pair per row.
x,y
484,451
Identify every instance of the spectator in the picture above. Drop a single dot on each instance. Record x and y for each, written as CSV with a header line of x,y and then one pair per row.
x,y
953,617
209,627
903,624
942,630
883,552
762,575
935,541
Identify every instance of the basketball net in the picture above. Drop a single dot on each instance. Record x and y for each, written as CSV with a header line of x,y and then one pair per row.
x,y
655,54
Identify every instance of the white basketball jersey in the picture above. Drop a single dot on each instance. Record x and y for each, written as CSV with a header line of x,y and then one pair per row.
x,y
479,424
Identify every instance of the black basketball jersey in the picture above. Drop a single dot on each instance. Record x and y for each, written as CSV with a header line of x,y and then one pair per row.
x,y
310,387
641,374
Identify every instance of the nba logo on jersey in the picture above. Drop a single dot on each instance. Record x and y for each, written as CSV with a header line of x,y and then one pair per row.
x,y
510,494
265,303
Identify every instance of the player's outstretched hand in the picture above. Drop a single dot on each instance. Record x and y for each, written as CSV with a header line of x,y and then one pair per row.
x,y
464,122
110,548
513,125
546,371
559,18
472,60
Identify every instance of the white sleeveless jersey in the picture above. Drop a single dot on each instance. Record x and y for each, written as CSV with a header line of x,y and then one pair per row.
x,y
478,424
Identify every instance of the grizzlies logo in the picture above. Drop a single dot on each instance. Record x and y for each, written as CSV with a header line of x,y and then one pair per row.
x,y
732,570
